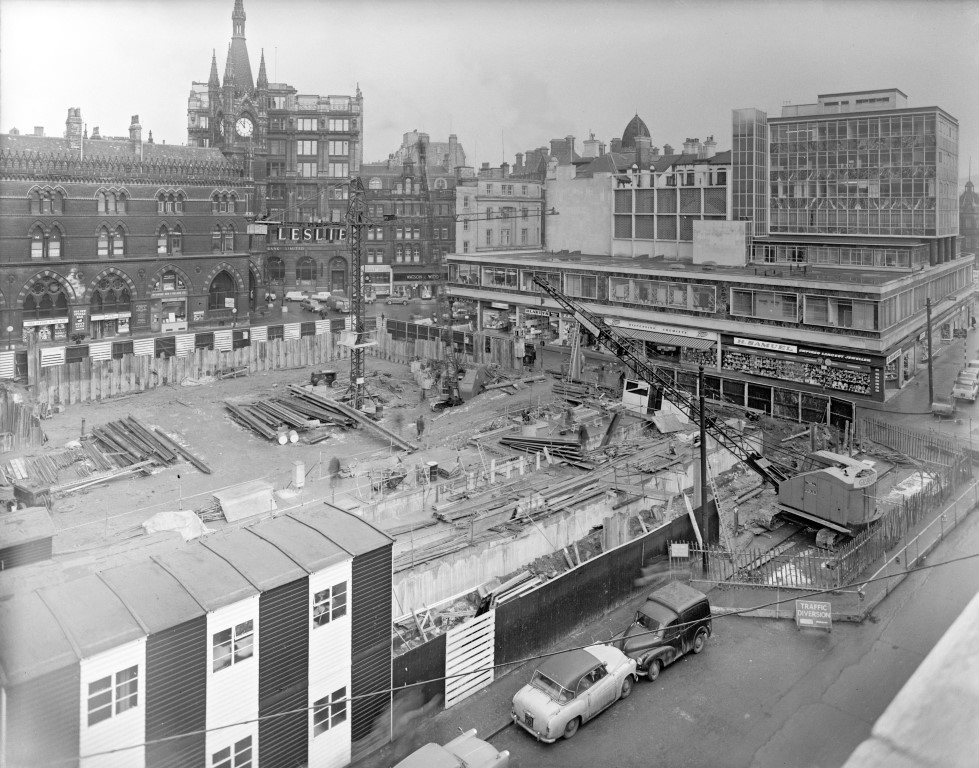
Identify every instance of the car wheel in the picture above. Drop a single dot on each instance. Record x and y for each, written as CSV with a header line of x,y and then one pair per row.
x,y
655,667
699,641
626,687
571,728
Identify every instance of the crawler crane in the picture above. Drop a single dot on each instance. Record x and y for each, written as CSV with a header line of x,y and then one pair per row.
x,y
832,492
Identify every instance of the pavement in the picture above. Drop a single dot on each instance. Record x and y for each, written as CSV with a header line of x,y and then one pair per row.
x,y
488,710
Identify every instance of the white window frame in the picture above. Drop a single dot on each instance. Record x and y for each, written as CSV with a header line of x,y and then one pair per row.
x,y
331,602
238,650
329,711
117,693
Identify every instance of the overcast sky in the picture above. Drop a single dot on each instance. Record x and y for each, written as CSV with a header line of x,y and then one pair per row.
x,y
505,76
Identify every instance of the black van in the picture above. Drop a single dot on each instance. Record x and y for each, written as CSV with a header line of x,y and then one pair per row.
x,y
674,620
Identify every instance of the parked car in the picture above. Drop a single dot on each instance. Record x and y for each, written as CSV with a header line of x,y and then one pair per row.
x,y
674,620
295,295
973,364
397,300
966,386
571,688
310,305
464,751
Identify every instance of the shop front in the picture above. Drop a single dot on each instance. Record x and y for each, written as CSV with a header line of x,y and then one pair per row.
x,y
495,316
672,344
416,281
538,324
900,366
857,374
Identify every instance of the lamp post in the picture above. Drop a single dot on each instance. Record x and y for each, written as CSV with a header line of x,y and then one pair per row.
x,y
10,330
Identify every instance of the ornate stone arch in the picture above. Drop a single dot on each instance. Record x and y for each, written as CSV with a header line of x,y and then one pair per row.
x,y
157,277
231,270
114,272
46,274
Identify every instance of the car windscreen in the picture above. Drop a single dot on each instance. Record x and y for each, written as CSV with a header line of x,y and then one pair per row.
x,y
655,616
558,692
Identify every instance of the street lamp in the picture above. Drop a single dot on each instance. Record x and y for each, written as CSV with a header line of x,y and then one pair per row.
x,y
10,330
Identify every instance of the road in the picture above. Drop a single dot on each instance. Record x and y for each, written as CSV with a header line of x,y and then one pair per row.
x,y
766,695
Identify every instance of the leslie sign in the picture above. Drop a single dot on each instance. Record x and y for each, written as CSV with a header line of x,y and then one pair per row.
x,y
814,615
312,234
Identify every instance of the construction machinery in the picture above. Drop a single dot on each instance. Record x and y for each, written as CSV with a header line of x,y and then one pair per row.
x,y
830,491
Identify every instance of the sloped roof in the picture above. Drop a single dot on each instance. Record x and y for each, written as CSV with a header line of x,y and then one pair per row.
x,y
114,148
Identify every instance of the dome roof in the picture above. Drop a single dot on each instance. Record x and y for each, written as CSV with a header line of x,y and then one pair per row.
x,y
636,127
969,198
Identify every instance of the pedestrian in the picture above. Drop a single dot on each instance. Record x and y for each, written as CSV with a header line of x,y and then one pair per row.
x,y
420,424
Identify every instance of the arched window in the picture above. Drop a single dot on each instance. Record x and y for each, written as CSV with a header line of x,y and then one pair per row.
x,y
276,268
229,238
171,280
216,239
397,188
46,300
375,183
222,287
101,202
54,243
306,269
179,203
38,250
176,241
118,242
102,250
215,203
121,202
34,200
231,203
398,254
111,295
440,183
162,241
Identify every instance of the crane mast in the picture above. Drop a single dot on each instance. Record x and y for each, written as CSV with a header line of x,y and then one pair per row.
x,y
626,350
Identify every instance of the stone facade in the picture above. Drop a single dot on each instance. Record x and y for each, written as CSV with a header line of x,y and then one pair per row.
x,y
111,237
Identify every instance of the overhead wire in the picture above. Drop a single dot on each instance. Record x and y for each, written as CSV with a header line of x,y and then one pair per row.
x,y
514,663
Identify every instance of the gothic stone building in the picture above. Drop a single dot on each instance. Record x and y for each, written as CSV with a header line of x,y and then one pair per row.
x,y
301,151
112,237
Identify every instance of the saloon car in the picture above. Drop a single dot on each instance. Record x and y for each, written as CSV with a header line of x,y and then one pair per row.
x,y
570,688
464,751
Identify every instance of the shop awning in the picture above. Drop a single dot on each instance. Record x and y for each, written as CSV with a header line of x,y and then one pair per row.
x,y
668,339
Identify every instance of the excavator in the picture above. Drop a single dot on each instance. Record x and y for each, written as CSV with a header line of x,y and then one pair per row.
x,y
834,493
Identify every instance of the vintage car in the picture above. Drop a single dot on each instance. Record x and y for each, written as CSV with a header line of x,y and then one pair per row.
x,y
966,386
571,688
674,620
464,751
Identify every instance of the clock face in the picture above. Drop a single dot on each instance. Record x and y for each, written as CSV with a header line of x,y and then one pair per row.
x,y
244,127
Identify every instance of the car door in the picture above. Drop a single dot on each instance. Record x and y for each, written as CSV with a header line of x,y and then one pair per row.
x,y
602,690
673,639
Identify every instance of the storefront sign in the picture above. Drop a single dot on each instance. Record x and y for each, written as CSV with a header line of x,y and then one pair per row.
x,y
229,303
78,319
499,305
892,357
656,328
168,294
769,345
814,615
46,321
311,234
420,276
837,356
111,316
539,312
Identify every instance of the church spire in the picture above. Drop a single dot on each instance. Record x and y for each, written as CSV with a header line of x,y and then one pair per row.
x,y
238,19
263,80
229,70
212,81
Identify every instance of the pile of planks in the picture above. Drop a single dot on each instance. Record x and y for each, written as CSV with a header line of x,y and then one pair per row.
x,y
574,392
555,447
131,443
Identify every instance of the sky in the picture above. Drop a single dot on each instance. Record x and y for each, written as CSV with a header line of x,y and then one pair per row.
x,y
505,76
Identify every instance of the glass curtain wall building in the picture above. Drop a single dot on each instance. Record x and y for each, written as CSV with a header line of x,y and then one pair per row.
x,y
856,180
750,169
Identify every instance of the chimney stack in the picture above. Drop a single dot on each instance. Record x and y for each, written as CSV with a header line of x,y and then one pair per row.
x,y
667,149
570,141
505,167
135,131
518,166
590,146
38,130
691,146
644,145
95,132
74,128
709,147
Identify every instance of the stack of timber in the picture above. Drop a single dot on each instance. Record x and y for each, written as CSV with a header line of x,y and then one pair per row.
x,y
570,450
574,392
130,443
348,412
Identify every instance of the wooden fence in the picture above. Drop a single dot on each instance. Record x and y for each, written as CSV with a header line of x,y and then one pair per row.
x,y
924,446
20,423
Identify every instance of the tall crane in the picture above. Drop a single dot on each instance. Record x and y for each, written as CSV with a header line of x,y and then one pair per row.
x,y
357,220
822,488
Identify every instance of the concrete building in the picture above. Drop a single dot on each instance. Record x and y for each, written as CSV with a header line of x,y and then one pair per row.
x,y
110,237
788,319
411,200
302,149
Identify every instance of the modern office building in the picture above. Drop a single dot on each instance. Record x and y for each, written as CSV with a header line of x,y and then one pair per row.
x,y
808,296
302,150
110,237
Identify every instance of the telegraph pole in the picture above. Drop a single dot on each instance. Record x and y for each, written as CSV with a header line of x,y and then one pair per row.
x,y
703,460
356,222
931,386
